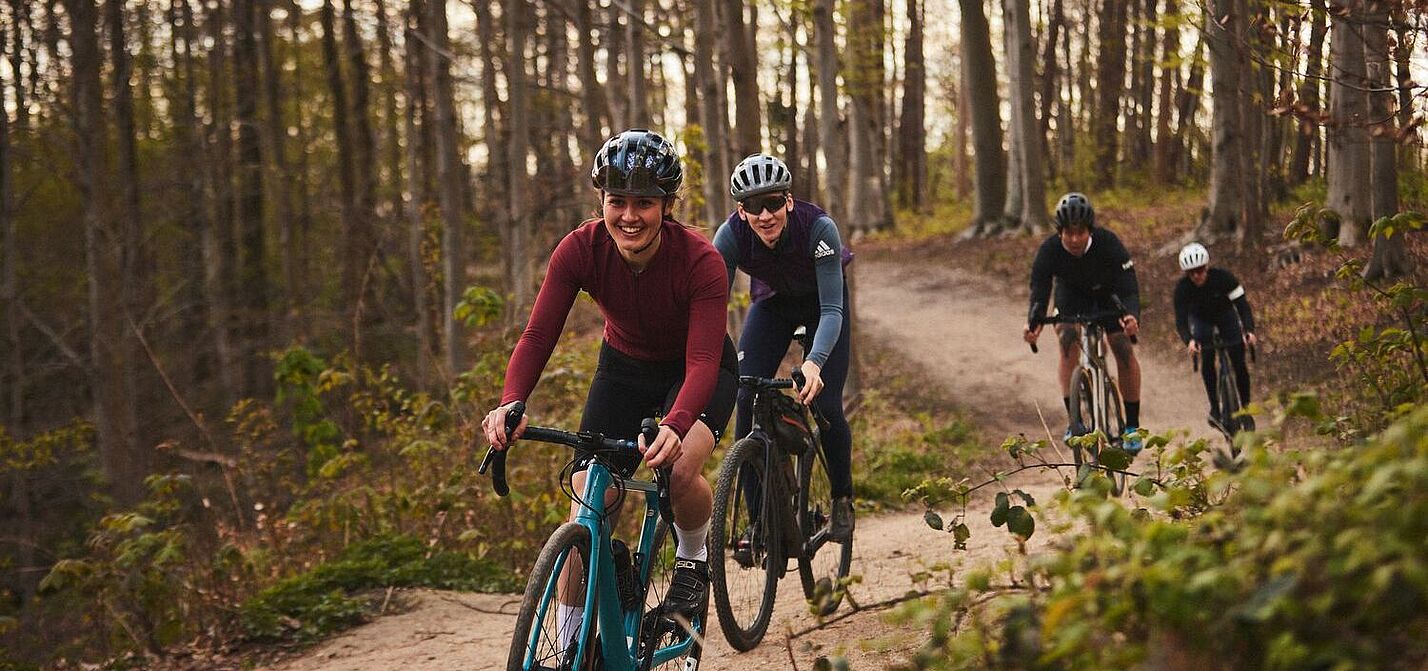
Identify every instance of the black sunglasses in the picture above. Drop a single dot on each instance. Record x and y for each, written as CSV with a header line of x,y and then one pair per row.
x,y
757,205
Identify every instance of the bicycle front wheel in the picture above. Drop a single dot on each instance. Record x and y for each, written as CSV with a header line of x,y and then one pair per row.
x,y
825,562
1229,395
1114,426
546,638
744,561
1083,417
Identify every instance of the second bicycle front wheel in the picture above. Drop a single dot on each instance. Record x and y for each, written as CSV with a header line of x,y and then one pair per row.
x,y
826,562
1083,417
1114,427
744,563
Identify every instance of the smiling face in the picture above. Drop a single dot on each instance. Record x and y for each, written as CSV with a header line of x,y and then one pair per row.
x,y
767,214
634,223
1075,239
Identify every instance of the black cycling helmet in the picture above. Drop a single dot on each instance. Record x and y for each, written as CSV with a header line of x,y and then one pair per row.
x,y
1074,209
637,162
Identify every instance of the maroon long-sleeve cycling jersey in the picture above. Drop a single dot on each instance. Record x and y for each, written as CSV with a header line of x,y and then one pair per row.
x,y
673,309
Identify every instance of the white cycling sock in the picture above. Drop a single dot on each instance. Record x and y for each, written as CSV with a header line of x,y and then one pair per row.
x,y
691,542
567,623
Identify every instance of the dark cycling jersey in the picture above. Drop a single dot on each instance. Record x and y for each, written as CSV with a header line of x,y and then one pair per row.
x,y
673,310
1105,269
806,261
1215,302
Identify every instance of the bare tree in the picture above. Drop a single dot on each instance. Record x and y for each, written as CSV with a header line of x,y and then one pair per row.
x,y
108,322
1165,121
251,271
635,75
830,118
364,240
979,78
1050,78
274,137
1347,136
742,58
450,184
418,122
517,233
1222,216
910,166
866,204
1308,104
1390,258
1021,63
713,111
1110,82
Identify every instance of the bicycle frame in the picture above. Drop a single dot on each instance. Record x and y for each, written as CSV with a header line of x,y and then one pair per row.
x,y
777,465
1093,362
619,653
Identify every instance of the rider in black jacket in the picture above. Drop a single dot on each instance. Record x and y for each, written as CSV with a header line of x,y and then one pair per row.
x,y
1091,269
1210,299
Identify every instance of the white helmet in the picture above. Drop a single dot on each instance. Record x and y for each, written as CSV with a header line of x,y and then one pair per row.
x,y
1194,255
758,174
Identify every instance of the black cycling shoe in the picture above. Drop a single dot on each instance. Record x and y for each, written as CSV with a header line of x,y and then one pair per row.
x,y
840,530
689,589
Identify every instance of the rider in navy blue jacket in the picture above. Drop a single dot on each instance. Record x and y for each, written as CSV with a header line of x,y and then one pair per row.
x,y
794,256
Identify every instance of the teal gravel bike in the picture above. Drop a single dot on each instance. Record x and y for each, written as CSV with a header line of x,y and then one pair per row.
x,y
583,570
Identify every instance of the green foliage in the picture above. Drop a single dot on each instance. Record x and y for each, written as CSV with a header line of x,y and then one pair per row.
x,y
893,459
308,606
302,377
1294,560
479,306
1386,359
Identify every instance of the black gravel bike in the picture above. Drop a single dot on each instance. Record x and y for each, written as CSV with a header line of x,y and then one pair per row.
x,y
1231,420
1097,418
774,503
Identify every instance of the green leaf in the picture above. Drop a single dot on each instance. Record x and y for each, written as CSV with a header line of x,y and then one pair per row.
x,y
1020,522
960,534
1143,486
933,520
1116,458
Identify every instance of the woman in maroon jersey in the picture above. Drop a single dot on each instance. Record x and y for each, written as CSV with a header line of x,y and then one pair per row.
x,y
662,290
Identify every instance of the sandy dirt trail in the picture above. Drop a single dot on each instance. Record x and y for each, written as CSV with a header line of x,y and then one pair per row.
x,y
966,331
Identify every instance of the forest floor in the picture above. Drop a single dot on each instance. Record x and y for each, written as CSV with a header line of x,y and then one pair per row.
x,y
961,325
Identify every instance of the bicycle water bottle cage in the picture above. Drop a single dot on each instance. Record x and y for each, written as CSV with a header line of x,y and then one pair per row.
x,y
625,581
788,426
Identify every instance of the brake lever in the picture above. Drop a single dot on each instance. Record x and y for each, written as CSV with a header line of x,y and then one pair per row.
x,y
496,459
663,475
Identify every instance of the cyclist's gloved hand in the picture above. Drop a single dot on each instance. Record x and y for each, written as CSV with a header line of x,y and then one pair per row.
x,y
1130,324
494,426
1031,333
813,382
665,450
1193,346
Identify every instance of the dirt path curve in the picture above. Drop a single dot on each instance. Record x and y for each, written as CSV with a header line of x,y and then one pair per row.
x,y
966,330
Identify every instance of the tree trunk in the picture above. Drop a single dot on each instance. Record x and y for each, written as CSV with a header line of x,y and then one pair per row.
x,y
1164,123
829,118
1050,92
391,188
712,114
1145,86
299,258
275,134
190,218
866,199
1307,109
742,59
639,114
19,20
1187,100
592,93
219,252
1390,259
124,465
252,275
979,77
1222,216
517,238
417,118
1021,55
1110,80
1348,139
911,174
353,261
363,153
450,183
1403,70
